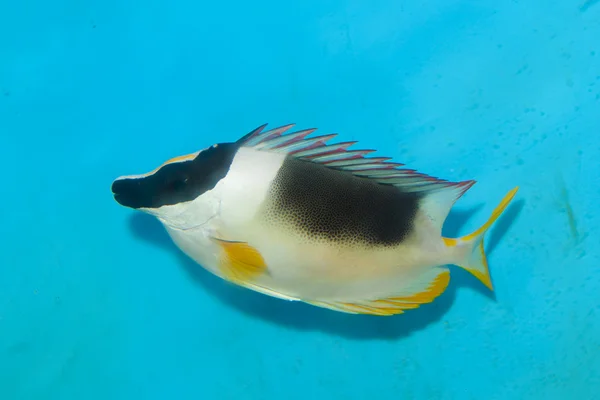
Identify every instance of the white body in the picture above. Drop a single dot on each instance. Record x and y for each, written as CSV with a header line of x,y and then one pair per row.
x,y
299,268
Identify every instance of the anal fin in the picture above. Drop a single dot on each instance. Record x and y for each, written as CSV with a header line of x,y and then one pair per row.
x,y
240,262
393,305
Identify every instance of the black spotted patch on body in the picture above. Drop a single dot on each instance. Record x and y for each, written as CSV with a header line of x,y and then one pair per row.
x,y
323,203
177,182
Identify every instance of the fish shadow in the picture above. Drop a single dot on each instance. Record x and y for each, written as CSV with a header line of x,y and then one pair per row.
x,y
587,4
301,316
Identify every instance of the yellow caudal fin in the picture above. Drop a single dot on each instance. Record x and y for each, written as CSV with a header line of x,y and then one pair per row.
x,y
470,253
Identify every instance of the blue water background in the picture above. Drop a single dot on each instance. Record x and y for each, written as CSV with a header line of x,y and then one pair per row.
x,y
95,301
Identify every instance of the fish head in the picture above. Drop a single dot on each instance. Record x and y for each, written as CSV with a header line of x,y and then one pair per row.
x,y
182,192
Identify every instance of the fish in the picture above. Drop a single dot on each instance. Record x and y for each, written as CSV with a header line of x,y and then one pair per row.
x,y
300,218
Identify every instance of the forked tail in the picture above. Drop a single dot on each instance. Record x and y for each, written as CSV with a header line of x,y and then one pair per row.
x,y
470,253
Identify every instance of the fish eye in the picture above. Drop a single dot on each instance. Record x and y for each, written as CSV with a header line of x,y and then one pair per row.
x,y
178,184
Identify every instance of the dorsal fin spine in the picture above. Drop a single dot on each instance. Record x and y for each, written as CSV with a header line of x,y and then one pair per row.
x,y
313,143
299,136
249,136
341,156
258,137
284,140
331,149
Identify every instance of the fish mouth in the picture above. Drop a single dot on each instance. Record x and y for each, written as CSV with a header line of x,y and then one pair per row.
x,y
118,198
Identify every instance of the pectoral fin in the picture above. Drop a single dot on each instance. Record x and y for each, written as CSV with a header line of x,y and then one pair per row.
x,y
240,262
421,294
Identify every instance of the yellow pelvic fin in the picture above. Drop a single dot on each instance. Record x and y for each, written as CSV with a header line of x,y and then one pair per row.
x,y
240,262
470,252
393,305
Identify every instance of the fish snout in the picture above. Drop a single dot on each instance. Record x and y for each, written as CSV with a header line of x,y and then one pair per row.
x,y
128,192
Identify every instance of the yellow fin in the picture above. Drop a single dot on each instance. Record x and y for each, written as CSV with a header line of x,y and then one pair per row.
x,y
470,253
392,305
240,262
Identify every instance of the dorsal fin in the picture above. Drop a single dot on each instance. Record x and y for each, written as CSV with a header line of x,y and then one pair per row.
x,y
338,156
